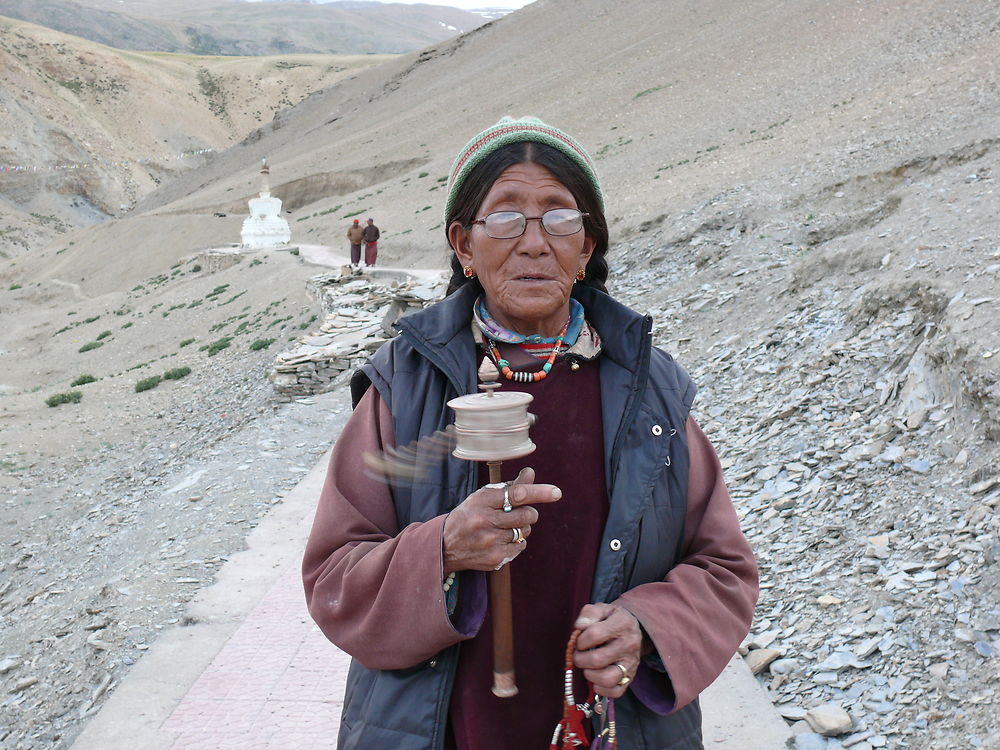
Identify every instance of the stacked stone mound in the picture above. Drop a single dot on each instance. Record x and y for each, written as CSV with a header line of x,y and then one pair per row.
x,y
359,313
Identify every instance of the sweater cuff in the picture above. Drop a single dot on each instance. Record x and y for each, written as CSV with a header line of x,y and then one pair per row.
x,y
652,686
470,611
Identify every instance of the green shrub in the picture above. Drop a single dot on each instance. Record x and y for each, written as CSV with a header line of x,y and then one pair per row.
x,y
103,335
177,373
91,345
70,397
91,320
185,342
15,286
127,325
261,344
195,268
218,345
294,251
146,383
653,90
83,380
422,175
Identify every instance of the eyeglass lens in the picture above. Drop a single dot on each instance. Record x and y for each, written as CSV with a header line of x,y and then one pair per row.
x,y
559,222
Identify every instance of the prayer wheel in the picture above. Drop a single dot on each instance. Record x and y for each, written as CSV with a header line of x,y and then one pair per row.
x,y
493,427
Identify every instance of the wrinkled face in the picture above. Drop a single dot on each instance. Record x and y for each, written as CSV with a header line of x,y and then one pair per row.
x,y
527,279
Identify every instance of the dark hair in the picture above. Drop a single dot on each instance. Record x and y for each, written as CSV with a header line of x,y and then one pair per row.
x,y
479,181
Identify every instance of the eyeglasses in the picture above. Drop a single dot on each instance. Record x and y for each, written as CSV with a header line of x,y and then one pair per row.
x,y
507,225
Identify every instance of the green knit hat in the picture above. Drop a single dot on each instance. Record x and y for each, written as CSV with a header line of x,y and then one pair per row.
x,y
508,131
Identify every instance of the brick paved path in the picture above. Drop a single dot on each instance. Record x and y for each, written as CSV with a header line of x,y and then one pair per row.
x,y
277,684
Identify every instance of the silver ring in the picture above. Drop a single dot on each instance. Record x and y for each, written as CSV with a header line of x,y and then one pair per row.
x,y
625,680
507,507
518,536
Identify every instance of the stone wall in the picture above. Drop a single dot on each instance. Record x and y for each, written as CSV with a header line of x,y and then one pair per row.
x,y
359,313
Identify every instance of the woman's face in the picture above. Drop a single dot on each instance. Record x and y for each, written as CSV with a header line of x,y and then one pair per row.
x,y
527,279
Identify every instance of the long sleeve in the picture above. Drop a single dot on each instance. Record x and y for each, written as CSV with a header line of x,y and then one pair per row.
x,y
698,615
373,589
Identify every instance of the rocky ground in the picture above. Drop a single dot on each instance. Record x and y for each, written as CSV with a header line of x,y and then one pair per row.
x,y
86,591
846,350
104,546
847,371
122,541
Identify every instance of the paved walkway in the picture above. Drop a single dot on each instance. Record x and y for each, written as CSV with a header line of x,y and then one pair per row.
x,y
276,684
324,255
253,672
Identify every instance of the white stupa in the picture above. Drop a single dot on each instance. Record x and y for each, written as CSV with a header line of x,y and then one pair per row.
x,y
265,226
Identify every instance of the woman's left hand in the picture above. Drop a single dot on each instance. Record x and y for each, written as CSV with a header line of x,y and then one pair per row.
x,y
609,647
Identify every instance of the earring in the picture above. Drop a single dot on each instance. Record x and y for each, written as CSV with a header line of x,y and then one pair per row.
x,y
580,274
470,272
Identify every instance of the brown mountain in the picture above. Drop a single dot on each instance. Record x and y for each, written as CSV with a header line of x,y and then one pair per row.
x,y
235,27
90,129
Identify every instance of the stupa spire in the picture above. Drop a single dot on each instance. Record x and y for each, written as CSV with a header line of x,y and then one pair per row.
x,y
265,178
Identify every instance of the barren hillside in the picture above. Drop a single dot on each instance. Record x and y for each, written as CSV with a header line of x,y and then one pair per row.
x,y
678,103
803,195
236,27
88,130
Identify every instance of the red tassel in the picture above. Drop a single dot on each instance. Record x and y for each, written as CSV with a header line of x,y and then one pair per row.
x,y
571,730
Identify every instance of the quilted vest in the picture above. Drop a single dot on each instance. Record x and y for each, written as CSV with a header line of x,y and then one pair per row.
x,y
646,398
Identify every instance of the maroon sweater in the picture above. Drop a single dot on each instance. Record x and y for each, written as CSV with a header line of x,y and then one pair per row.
x,y
550,580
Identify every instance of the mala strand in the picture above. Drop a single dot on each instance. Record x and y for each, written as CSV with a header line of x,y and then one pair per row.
x,y
571,726
525,377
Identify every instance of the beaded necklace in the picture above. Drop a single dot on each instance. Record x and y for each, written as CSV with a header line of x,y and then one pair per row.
x,y
525,377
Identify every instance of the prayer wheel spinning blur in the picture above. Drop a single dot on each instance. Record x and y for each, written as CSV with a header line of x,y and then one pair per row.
x,y
492,426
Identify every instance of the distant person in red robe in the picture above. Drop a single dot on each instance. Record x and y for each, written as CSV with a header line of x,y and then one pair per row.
x,y
371,235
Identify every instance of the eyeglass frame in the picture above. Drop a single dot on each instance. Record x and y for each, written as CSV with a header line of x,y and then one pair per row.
x,y
539,219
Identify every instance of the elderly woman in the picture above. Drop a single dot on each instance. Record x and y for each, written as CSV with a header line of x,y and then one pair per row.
x,y
629,534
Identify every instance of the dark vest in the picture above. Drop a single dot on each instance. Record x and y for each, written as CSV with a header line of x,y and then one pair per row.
x,y
646,398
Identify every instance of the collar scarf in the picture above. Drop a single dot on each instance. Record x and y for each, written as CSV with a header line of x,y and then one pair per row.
x,y
581,339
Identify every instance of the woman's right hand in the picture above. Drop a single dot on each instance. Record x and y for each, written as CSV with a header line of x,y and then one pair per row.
x,y
478,533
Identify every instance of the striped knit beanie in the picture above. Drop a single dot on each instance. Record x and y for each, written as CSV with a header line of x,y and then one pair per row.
x,y
508,131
